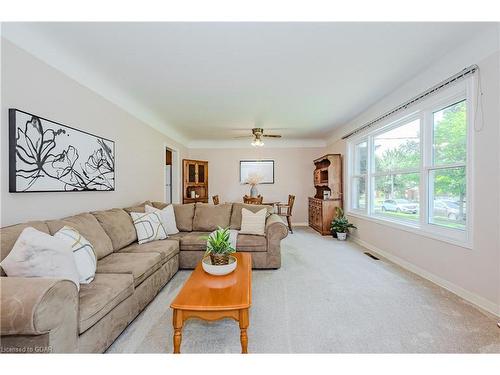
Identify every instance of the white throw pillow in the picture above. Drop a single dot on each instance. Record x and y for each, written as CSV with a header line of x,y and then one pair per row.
x,y
167,217
148,227
253,223
38,254
83,251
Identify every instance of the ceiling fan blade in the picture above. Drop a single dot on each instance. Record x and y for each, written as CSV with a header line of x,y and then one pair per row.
x,y
244,136
272,135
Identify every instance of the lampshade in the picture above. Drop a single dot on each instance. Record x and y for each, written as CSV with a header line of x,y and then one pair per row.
x,y
257,142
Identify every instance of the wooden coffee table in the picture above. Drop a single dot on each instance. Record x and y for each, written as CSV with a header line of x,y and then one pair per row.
x,y
210,298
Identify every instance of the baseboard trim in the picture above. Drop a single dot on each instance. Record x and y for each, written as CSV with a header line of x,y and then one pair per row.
x,y
300,224
473,298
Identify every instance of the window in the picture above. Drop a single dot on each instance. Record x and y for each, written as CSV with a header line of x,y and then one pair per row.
x,y
413,171
447,180
396,177
359,177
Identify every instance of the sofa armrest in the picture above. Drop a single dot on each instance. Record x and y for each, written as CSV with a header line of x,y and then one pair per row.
x,y
276,230
38,306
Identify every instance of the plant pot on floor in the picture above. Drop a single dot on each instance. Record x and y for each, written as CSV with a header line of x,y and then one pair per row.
x,y
341,236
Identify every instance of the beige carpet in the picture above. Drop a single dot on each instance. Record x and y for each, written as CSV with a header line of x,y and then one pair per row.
x,y
328,297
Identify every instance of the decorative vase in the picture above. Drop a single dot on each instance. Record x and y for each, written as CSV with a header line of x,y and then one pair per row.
x,y
253,191
219,260
341,236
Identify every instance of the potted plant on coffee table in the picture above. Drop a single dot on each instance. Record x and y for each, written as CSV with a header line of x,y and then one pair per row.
x,y
218,259
340,225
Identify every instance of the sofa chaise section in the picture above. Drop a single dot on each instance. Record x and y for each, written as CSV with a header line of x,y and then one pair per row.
x,y
51,314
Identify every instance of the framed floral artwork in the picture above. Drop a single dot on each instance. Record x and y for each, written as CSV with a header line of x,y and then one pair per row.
x,y
46,156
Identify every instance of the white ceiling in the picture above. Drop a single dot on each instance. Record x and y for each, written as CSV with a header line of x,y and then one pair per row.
x,y
203,81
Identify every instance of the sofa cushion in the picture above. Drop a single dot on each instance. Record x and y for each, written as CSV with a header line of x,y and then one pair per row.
x,y
138,208
102,295
9,235
251,242
236,212
140,265
118,225
184,214
166,248
88,226
208,217
159,205
191,240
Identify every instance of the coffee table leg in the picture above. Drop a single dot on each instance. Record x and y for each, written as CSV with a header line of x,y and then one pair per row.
x,y
243,330
177,322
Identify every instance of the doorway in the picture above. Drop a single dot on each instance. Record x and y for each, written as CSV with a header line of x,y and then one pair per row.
x,y
172,177
168,175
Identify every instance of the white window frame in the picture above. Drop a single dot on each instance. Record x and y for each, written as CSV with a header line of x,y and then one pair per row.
x,y
463,90
359,175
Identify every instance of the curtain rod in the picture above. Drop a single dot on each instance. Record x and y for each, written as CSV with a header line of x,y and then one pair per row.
x,y
458,76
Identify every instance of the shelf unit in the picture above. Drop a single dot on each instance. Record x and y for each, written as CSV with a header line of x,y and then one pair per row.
x,y
194,178
327,176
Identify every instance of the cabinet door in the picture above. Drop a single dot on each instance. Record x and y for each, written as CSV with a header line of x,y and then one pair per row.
x,y
201,173
191,172
319,217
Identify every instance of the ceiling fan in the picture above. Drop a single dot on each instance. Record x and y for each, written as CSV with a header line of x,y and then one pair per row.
x,y
257,135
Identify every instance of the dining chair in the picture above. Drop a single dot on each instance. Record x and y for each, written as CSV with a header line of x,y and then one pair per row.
x,y
253,200
215,198
285,210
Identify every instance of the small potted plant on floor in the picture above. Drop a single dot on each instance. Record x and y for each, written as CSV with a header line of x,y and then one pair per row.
x,y
340,225
218,259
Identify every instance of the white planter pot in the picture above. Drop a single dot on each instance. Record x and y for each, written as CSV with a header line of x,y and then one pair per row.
x,y
341,236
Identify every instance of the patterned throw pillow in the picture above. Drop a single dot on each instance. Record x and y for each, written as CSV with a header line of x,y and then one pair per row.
x,y
83,252
148,227
167,218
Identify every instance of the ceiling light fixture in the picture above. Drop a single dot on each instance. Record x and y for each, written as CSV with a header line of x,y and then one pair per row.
x,y
257,142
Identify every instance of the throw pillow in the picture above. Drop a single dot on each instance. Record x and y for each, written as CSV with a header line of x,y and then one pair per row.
x,y
83,252
38,254
148,227
167,217
253,223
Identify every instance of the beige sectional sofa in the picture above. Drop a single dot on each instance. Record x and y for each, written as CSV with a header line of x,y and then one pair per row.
x,y
50,315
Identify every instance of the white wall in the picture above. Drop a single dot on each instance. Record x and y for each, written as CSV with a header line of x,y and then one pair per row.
x,y
31,85
472,273
293,174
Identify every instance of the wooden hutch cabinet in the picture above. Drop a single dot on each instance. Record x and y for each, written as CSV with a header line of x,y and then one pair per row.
x,y
327,178
194,179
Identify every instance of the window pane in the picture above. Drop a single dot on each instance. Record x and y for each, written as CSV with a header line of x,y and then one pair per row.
x,y
448,197
360,157
359,193
396,196
398,148
450,134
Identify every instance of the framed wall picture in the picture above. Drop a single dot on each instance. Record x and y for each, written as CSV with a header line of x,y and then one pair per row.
x,y
263,170
46,156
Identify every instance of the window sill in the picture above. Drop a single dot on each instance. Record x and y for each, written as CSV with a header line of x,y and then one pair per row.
x,y
412,228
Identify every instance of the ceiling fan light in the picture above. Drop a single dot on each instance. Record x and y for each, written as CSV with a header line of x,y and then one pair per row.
x,y
257,142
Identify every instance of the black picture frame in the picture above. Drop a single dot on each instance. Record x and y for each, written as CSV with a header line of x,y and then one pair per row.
x,y
258,161
85,182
